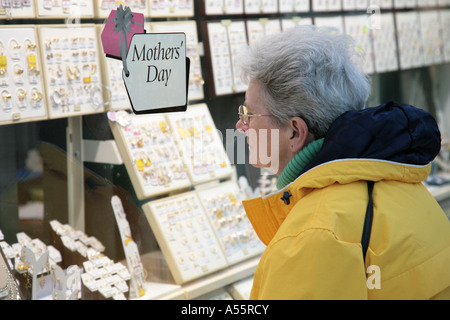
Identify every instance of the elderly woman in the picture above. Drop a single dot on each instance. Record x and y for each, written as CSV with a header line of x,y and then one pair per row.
x,y
351,219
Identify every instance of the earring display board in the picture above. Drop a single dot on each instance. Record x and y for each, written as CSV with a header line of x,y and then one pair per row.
x,y
171,8
326,5
185,236
196,82
432,42
445,21
64,9
336,22
409,40
294,21
72,70
357,27
260,6
221,7
200,144
256,29
148,149
114,94
385,45
103,7
289,6
224,209
17,9
223,41
21,82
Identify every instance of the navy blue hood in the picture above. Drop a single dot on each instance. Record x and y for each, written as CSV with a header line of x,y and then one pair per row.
x,y
392,131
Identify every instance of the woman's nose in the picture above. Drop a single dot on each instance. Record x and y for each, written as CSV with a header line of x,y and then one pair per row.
x,y
240,126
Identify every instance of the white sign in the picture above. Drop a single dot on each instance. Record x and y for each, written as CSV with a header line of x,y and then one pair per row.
x,y
157,78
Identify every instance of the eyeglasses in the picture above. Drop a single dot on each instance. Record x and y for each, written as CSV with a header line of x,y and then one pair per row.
x,y
245,116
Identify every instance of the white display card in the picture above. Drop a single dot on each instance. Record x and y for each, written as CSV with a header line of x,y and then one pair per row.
x,y
196,81
171,8
72,70
430,27
358,28
409,40
185,236
385,45
130,249
445,22
21,85
200,144
104,7
223,7
256,29
290,6
260,6
71,9
226,39
151,158
224,209
14,9
295,21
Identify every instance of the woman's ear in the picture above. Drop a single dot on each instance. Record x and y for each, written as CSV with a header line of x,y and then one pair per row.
x,y
299,135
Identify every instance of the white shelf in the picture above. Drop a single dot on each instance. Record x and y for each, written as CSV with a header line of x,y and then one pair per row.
x,y
199,287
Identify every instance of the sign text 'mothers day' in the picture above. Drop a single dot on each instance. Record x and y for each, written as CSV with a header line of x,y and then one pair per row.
x,y
158,72
157,53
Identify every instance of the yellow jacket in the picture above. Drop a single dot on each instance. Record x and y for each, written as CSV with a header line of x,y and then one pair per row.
x,y
313,243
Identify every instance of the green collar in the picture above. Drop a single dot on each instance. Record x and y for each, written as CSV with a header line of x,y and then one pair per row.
x,y
296,165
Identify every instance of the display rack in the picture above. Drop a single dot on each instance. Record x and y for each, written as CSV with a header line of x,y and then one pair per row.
x,y
72,70
149,152
56,68
21,81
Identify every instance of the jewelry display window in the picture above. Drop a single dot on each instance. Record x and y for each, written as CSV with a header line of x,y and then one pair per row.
x,y
21,81
260,6
115,94
256,29
357,27
150,155
171,8
72,70
64,8
103,7
295,21
14,9
224,40
196,81
185,236
290,6
221,7
385,45
430,27
225,212
409,40
445,22
200,144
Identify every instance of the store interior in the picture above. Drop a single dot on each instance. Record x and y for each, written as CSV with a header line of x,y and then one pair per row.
x,y
113,205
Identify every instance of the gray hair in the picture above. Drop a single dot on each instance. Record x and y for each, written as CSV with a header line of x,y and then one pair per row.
x,y
307,72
